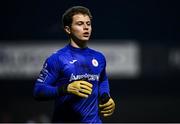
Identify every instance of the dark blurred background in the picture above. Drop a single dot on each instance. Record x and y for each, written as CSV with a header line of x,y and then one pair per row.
x,y
152,96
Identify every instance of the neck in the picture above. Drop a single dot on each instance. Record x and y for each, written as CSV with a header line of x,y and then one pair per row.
x,y
78,44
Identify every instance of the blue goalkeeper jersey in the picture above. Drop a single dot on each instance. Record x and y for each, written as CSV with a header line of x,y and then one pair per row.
x,y
65,66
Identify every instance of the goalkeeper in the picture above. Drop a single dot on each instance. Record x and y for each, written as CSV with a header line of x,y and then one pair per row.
x,y
75,76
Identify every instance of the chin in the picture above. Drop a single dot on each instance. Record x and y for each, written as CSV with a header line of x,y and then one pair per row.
x,y
84,39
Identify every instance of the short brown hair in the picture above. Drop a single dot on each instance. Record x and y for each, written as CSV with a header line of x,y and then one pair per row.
x,y
67,16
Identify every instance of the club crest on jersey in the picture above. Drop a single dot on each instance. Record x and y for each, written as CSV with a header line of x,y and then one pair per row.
x,y
95,63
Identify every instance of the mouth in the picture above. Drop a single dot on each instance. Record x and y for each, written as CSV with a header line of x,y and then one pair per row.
x,y
86,34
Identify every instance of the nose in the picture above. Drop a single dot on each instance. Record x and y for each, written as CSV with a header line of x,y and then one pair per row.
x,y
86,27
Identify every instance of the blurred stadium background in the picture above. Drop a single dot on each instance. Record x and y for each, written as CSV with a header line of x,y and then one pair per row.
x,y
140,40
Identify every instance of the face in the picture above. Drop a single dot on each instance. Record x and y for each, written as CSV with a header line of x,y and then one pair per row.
x,y
80,29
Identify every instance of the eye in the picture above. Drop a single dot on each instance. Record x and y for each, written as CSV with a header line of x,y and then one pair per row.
x,y
88,23
79,23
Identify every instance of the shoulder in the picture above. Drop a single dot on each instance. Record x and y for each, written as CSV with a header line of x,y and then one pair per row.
x,y
59,53
56,56
98,54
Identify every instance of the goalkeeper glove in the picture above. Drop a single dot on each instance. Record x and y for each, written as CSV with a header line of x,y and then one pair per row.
x,y
80,88
106,105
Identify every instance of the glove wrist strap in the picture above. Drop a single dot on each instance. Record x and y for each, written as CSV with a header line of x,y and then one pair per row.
x,y
104,98
63,89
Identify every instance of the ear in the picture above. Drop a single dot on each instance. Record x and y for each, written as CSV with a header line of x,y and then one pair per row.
x,y
67,29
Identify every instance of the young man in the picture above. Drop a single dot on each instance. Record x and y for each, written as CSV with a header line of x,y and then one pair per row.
x,y
75,75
